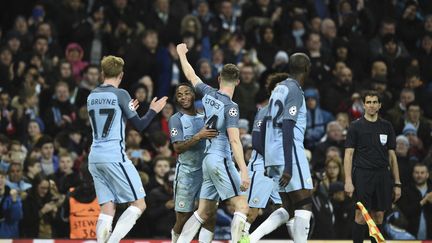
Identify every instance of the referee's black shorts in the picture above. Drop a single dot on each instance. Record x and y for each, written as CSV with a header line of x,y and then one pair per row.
x,y
373,187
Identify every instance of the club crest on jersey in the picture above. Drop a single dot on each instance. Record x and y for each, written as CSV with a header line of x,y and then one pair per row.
x,y
131,106
174,132
383,138
293,110
181,204
233,112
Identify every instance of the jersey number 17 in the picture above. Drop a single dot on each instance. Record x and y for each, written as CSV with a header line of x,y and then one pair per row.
x,y
109,114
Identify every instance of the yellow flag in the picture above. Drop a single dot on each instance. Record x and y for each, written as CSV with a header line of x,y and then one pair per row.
x,y
373,229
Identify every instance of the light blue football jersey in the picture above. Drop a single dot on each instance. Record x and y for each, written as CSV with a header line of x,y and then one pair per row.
x,y
256,162
183,127
220,108
109,108
286,102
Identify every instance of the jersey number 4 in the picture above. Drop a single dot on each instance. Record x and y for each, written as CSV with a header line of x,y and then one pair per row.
x,y
109,113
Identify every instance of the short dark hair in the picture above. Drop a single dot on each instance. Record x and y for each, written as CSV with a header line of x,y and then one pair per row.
x,y
44,140
230,73
299,63
420,164
413,103
371,93
274,79
4,139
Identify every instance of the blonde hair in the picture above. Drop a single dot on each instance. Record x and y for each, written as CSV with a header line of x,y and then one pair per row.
x,y
112,66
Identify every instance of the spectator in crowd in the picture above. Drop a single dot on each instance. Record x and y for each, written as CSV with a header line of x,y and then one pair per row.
x,y
80,207
31,170
61,113
416,203
161,167
49,161
16,181
141,94
414,116
405,163
336,98
91,79
333,138
323,215
333,172
34,133
424,55
246,92
141,158
317,118
396,113
160,207
40,209
10,211
65,177
342,209
417,150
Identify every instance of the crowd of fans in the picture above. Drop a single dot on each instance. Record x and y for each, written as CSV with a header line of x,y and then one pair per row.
x,y
49,62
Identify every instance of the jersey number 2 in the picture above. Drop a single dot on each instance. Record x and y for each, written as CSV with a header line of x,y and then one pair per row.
x,y
279,105
109,113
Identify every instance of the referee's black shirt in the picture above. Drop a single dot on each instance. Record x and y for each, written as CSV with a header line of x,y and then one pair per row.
x,y
371,142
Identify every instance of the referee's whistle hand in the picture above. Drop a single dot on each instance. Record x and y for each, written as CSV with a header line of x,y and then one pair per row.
x,y
285,179
349,189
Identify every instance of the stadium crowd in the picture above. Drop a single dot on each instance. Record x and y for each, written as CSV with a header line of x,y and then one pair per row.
x,y
50,53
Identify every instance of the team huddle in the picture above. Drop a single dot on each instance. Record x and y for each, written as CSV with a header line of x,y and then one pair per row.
x,y
207,145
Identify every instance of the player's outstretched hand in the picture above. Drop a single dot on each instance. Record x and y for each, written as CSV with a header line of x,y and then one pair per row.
x,y
245,181
207,133
134,104
349,189
285,179
182,49
158,105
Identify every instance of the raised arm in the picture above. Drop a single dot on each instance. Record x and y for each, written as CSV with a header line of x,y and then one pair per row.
x,y
187,68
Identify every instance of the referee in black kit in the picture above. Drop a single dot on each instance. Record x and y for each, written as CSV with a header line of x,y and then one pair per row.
x,y
369,146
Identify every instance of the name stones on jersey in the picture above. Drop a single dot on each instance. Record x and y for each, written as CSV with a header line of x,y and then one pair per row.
x,y
233,112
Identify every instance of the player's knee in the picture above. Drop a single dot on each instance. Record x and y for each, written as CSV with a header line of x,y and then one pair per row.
x,y
108,208
241,206
252,214
140,203
304,204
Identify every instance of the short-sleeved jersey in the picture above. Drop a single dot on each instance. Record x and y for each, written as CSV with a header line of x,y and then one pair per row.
x,y
219,108
183,127
256,162
371,142
286,102
109,108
